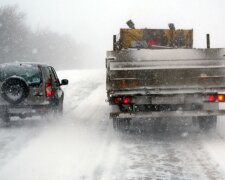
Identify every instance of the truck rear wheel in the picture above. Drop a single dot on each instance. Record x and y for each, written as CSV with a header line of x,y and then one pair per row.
x,y
159,125
207,122
121,124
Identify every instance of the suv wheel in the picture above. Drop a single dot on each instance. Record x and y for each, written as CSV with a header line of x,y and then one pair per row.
x,y
58,109
5,116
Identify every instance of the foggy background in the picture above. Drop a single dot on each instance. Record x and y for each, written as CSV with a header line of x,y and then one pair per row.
x,y
73,34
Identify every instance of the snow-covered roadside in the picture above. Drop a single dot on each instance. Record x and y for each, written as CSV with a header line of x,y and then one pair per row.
x,y
81,85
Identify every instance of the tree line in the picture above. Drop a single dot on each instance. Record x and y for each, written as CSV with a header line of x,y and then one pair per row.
x,y
19,43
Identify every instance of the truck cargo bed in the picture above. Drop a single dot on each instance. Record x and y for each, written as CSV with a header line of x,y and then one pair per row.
x,y
166,69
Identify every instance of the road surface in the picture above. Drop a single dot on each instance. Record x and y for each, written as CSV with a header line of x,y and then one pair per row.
x,y
82,144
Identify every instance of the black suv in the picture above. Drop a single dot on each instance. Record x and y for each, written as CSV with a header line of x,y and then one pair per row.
x,y
29,89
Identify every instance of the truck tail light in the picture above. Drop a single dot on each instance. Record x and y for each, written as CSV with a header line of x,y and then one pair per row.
x,y
221,97
121,100
212,98
216,97
48,90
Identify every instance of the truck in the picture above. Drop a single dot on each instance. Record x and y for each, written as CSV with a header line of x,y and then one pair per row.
x,y
156,73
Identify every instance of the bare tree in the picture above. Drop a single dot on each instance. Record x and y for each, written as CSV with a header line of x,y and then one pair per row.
x,y
58,50
19,43
13,34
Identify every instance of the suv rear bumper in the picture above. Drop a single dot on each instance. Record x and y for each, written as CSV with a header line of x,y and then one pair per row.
x,y
27,111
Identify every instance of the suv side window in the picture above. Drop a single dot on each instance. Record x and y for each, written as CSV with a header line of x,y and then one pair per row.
x,y
47,74
53,76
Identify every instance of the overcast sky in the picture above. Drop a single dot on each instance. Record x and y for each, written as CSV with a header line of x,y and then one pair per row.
x,y
94,22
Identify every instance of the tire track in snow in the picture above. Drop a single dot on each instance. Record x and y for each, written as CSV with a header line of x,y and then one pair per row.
x,y
215,146
208,165
169,155
16,136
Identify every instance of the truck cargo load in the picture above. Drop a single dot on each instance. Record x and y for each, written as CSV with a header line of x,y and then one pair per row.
x,y
147,38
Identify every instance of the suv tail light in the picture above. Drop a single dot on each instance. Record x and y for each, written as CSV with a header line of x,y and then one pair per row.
x,y
48,90
216,97
126,100
117,100
121,100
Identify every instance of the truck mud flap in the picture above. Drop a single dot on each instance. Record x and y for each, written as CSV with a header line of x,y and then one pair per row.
x,y
167,114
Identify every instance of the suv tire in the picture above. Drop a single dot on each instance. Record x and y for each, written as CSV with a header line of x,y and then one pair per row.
x,y
5,116
14,90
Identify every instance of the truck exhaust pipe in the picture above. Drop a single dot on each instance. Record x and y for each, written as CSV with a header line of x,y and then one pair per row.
x,y
114,42
208,40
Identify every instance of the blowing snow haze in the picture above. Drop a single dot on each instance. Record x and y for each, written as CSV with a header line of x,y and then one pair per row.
x,y
126,119
79,32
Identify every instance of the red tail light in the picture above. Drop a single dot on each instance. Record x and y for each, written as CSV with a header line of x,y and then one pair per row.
x,y
216,97
121,100
117,100
221,97
126,100
48,90
212,98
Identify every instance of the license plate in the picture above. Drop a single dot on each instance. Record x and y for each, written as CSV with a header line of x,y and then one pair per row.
x,y
168,100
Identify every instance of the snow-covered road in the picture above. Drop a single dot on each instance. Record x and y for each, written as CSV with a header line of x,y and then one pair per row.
x,y
82,144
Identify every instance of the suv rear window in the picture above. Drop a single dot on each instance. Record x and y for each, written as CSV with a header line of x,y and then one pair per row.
x,y
31,73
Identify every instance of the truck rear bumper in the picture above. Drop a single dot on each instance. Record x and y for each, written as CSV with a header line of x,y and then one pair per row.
x,y
166,114
26,111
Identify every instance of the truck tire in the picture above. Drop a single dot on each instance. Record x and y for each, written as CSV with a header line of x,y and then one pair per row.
x,y
159,126
207,122
195,121
14,90
121,124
